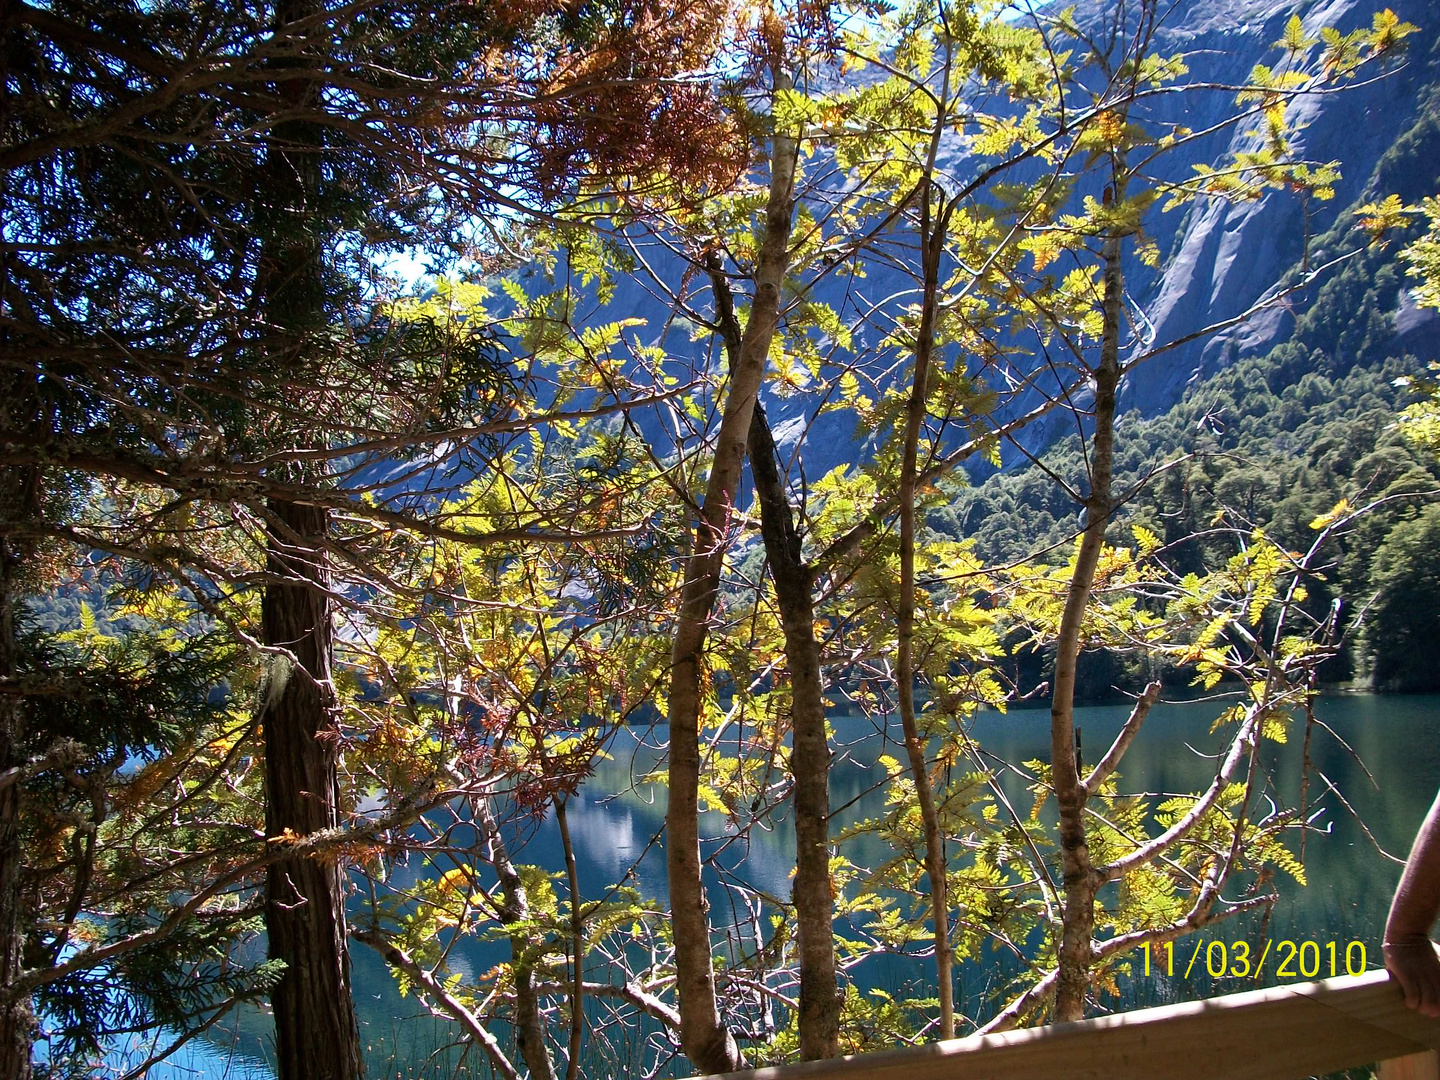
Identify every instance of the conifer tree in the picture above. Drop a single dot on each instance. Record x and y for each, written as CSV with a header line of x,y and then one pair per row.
x,y
196,207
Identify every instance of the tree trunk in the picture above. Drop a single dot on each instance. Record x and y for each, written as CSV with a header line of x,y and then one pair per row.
x,y
810,750
514,911
1081,880
17,506
577,944
809,753
316,1034
705,1039
17,1019
932,240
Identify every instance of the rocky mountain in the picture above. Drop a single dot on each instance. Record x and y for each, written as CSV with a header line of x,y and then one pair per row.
x,y
1272,423
1224,257
1218,259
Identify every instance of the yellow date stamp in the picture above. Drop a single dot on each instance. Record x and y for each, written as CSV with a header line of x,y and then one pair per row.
x,y
1285,959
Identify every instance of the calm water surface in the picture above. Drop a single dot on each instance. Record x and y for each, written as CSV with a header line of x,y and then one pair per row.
x,y
615,821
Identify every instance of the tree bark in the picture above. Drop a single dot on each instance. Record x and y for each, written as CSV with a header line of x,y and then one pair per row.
x,y
316,1034
514,911
18,505
577,944
819,1020
809,753
17,1018
706,1040
1081,879
932,236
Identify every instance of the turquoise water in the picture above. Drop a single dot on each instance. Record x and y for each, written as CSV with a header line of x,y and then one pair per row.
x,y
615,820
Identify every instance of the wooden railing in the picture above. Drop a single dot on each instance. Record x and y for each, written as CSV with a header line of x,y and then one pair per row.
x,y
1280,1033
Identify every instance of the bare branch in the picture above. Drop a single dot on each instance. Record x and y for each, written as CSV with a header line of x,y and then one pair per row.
x,y
398,958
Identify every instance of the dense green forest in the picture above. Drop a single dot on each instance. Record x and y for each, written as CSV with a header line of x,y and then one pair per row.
x,y
400,402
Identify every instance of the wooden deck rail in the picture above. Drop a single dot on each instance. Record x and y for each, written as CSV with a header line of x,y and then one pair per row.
x,y
1280,1033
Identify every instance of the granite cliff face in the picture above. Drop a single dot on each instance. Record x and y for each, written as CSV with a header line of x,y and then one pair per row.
x,y
1221,258
1218,259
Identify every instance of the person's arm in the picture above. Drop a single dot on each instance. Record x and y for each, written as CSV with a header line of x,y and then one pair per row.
x,y
1409,955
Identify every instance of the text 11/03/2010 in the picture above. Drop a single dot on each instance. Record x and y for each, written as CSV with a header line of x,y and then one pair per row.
x,y
1237,960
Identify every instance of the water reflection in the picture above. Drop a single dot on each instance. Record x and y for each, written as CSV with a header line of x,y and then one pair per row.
x,y
617,816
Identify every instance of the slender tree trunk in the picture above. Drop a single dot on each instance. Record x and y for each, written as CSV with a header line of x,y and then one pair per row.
x,y
706,1040
809,753
932,240
577,944
17,1019
514,912
316,1034
1081,880
810,750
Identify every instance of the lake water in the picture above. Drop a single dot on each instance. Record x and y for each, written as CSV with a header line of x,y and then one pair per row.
x,y
615,822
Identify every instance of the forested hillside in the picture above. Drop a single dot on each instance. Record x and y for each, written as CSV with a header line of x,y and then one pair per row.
x,y
1275,442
